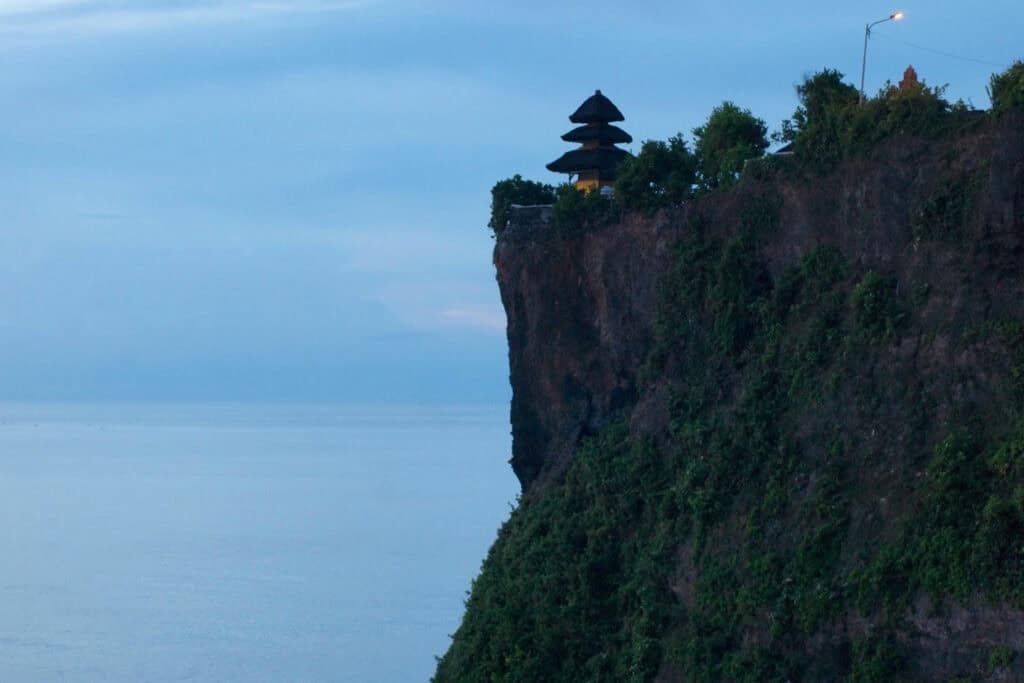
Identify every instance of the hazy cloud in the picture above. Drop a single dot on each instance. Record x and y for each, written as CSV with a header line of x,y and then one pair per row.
x,y
486,318
43,16
15,8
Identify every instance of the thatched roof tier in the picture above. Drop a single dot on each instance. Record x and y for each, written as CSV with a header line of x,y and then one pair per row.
x,y
602,133
601,159
597,109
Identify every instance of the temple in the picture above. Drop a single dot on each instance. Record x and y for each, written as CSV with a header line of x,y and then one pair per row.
x,y
909,81
594,162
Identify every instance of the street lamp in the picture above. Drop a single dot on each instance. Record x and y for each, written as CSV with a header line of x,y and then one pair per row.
x,y
895,16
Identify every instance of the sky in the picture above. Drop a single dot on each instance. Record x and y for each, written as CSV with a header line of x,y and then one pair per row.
x,y
275,201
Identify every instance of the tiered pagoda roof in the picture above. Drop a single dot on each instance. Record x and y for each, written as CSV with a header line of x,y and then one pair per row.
x,y
601,132
597,109
595,161
600,159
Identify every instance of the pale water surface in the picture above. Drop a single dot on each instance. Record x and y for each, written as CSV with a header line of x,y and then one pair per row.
x,y
241,543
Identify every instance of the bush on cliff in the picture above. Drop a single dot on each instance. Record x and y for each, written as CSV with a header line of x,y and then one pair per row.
x,y
830,124
516,190
915,109
662,174
577,211
817,127
1006,90
729,138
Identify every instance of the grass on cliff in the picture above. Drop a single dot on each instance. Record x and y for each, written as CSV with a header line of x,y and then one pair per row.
x,y
725,551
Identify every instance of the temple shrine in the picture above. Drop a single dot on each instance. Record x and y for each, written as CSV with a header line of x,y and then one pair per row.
x,y
909,81
594,162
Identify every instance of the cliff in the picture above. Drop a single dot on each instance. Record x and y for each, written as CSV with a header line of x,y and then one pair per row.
x,y
775,434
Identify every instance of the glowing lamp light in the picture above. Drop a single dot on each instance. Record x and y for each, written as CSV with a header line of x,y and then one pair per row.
x,y
895,16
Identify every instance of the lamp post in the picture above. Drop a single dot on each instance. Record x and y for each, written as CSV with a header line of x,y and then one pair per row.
x,y
895,16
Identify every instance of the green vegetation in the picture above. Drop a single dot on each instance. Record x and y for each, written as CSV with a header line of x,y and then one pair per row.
x,y
516,190
831,124
724,551
769,534
818,126
875,308
662,174
947,213
965,533
1000,658
876,660
1006,90
575,211
574,589
571,591
730,138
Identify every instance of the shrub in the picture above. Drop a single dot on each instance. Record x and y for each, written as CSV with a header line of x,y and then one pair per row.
x,y
876,660
1001,657
874,304
725,142
917,110
766,168
947,212
663,173
1006,90
819,121
569,591
516,190
577,211
831,124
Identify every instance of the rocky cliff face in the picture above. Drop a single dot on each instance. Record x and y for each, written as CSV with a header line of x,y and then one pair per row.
x,y
777,434
581,322
582,313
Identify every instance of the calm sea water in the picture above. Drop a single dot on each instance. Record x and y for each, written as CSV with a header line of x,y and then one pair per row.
x,y
241,543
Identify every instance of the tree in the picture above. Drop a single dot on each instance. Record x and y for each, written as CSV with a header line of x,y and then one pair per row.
x,y
831,123
821,95
515,190
1006,90
730,137
917,109
662,173
577,211
820,122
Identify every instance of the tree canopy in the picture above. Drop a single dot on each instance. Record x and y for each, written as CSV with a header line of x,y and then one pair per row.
x,y
516,190
831,124
817,123
725,142
663,173
1006,89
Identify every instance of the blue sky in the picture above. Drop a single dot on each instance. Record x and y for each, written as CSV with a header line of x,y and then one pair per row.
x,y
230,199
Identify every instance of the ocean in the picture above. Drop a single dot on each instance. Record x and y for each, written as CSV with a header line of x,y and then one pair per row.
x,y
242,542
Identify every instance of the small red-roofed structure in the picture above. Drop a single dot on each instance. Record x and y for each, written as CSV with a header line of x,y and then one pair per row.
x,y
909,81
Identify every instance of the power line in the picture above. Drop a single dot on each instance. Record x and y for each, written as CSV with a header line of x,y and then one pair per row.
x,y
939,52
